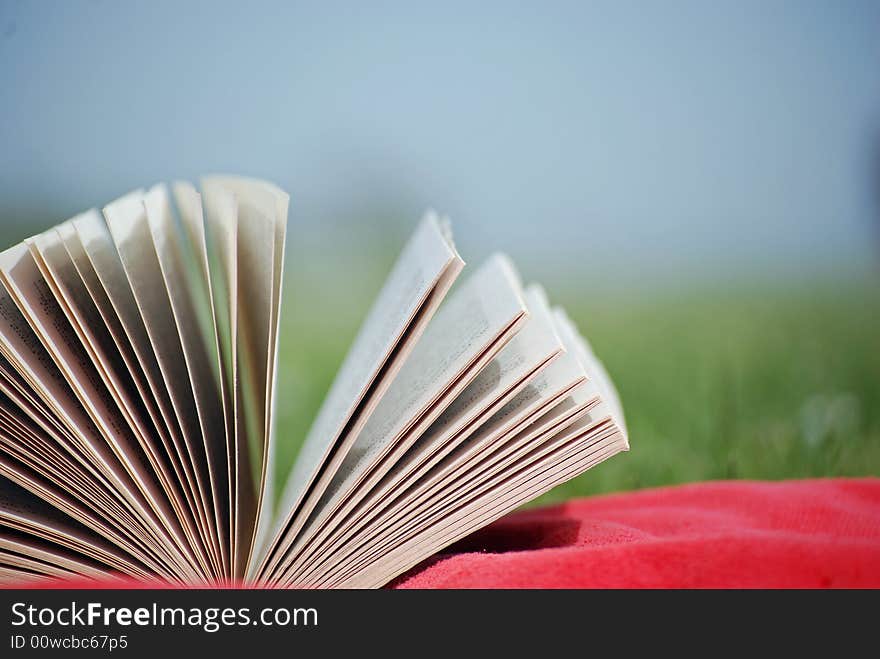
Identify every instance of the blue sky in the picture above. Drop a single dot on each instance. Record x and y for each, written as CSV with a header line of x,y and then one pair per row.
x,y
643,138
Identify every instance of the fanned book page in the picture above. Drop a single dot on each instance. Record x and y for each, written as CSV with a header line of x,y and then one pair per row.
x,y
138,362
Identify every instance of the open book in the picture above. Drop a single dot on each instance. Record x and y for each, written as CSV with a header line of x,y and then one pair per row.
x,y
138,361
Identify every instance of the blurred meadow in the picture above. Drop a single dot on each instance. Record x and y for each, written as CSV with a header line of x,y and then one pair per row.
x,y
696,183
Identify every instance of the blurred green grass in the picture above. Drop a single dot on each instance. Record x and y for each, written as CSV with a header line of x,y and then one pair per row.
x,y
761,382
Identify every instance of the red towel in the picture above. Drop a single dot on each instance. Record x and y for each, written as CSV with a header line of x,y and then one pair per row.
x,y
738,534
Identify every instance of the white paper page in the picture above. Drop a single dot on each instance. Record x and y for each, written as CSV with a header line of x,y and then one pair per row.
x,y
221,224
525,358
13,577
535,348
391,524
45,451
565,377
478,453
582,401
471,506
109,321
467,332
262,209
249,318
23,349
535,410
23,279
594,367
526,487
486,308
129,226
192,217
580,436
92,314
36,457
66,562
61,274
34,562
91,508
420,278
29,404
131,538
46,446
21,510
381,572
199,352
531,350
103,259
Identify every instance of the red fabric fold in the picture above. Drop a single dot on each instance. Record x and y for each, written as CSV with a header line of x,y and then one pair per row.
x,y
736,534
